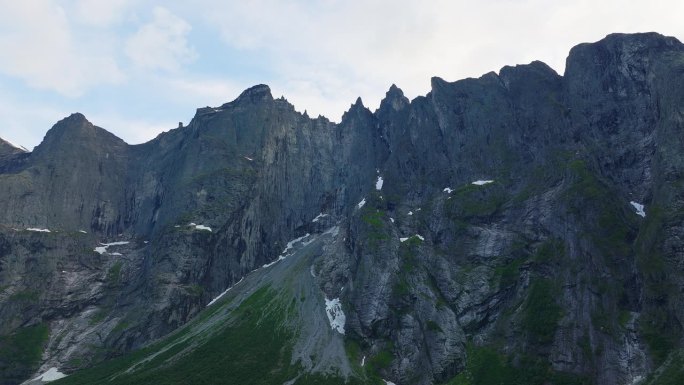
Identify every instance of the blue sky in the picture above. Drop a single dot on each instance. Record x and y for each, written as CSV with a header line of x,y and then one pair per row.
x,y
137,68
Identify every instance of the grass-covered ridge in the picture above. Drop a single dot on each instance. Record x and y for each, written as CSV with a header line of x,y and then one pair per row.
x,y
251,346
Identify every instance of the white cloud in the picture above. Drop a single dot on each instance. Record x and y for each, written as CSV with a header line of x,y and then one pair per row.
x,y
100,13
25,124
319,55
40,49
372,44
162,43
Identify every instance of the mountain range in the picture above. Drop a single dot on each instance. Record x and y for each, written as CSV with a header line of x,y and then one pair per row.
x,y
519,228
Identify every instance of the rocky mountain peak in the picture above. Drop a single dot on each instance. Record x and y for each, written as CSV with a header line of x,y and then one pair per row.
x,y
75,132
437,83
394,99
628,53
357,109
255,94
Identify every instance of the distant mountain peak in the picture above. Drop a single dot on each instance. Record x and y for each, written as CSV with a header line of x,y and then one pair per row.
x,y
394,99
259,92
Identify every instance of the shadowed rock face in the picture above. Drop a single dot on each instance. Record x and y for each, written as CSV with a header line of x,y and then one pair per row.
x,y
548,264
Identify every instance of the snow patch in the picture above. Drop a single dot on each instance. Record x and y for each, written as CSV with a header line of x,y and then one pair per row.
x,y
290,245
335,230
319,217
482,182
407,238
362,203
378,183
410,213
363,361
51,375
389,382
392,220
224,293
639,209
280,258
333,308
249,159
202,227
448,190
83,231
103,249
38,230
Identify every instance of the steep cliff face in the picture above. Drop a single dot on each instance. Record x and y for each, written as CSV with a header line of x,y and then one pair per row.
x,y
493,223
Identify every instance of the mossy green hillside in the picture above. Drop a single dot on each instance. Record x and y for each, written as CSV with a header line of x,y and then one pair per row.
x,y
486,366
20,352
253,346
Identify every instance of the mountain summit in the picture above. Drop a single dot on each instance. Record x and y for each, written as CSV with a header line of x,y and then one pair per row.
x,y
521,227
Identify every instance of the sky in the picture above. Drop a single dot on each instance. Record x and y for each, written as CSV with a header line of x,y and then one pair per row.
x,y
137,68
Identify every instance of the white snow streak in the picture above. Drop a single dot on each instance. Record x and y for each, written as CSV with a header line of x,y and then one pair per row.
x,y
224,293
83,231
378,183
38,230
639,209
482,182
290,244
448,190
280,258
363,361
319,217
249,159
392,220
362,203
410,213
51,375
333,308
288,247
389,382
407,238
